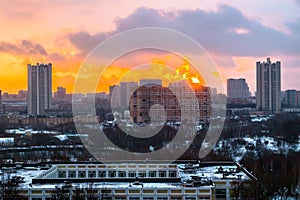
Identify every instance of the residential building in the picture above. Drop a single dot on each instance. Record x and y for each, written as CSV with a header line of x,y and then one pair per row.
x,y
115,96
237,88
298,98
268,83
199,110
291,98
39,88
126,90
172,101
60,94
141,101
23,94
2,110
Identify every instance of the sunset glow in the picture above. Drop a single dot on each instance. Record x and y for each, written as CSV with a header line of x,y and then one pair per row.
x,y
235,35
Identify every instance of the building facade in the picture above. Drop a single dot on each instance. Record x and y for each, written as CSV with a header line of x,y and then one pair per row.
x,y
291,98
298,98
237,88
126,90
115,96
268,85
60,94
39,88
172,101
142,100
137,181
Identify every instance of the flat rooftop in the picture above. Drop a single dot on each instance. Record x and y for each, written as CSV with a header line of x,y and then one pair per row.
x,y
184,174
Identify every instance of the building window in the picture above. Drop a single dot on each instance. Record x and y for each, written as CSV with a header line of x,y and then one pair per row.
x,y
176,198
131,174
111,174
204,197
162,173
220,194
102,174
172,174
72,174
162,198
92,174
152,174
134,198
61,174
121,174
142,174
120,198
190,198
81,174
148,198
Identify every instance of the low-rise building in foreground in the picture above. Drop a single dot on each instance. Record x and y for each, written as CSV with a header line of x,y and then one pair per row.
x,y
133,181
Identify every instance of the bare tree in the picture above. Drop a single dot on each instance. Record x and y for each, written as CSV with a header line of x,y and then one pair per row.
x,y
10,187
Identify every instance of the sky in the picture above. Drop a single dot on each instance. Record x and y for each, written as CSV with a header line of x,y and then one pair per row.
x,y
234,33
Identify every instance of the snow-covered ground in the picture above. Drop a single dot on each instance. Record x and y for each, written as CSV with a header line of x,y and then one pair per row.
x,y
238,147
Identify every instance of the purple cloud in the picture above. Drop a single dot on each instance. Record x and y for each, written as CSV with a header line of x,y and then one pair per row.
x,y
85,41
25,47
226,31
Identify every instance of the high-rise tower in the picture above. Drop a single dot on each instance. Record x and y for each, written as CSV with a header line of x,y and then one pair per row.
x,y
268,85
39,88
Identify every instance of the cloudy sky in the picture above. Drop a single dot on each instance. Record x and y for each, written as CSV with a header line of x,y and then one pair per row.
x,y
235,34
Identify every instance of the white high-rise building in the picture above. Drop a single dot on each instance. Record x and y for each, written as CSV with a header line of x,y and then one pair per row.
x,y
268,86
39,88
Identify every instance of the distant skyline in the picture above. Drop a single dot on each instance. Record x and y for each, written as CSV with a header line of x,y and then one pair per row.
x,y
235,35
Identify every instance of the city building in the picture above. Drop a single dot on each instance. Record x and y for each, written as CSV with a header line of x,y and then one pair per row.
x,y
171,100
23,94
199,110
186,180
298,98
115,96
237,89
150,81
268,86
141,101
291,98
39,88
126,90
14,103
60,94
2,109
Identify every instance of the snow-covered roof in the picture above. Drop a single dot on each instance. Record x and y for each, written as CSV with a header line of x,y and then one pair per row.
x,y
61,137
26,131
205,174
212,172
7,140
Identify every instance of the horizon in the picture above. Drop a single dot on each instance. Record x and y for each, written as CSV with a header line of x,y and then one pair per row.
x,y
164,84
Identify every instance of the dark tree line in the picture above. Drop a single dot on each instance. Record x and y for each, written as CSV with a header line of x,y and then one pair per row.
x,y
10,188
